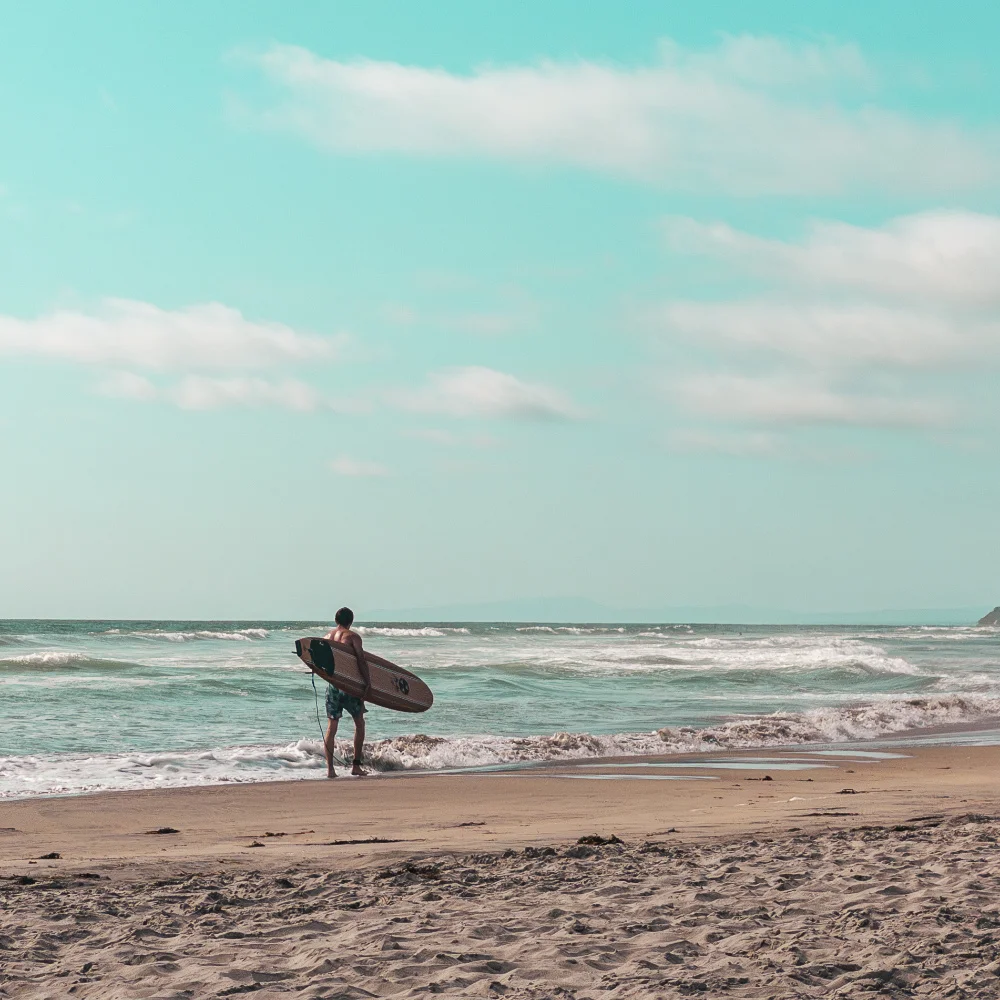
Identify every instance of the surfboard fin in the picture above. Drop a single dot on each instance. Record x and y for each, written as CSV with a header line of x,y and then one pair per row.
x,y
322,656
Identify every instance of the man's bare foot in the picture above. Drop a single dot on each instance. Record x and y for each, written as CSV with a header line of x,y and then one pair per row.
x,y
358,771
331,774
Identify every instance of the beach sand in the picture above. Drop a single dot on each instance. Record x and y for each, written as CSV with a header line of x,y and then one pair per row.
x,y
864,877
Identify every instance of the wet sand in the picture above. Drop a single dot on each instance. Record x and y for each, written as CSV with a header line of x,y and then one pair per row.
x,y
856,878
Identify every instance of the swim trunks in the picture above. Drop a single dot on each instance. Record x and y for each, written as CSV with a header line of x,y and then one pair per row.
x,y
337,701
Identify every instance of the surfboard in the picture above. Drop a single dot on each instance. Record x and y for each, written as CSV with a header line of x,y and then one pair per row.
x,y
392,686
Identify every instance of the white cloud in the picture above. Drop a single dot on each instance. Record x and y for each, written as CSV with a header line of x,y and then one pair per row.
x,y
799,400
448,439
196,392
764,60
952,257
755,444
484,392
761,445
141,335
847,305
128,385
920,291
851,334
752,116
345,466
199,392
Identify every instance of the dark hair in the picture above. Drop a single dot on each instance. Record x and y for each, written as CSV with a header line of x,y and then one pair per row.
x,y
344,617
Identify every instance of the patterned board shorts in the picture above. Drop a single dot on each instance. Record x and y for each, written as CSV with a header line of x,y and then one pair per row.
x,y
337,701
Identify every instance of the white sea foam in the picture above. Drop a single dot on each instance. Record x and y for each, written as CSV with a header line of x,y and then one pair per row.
x,y
652,653
838,724
47,659
823,725
391,632
69,682
54,774
572,629
437,752
785,653
239,635
62,774
493,677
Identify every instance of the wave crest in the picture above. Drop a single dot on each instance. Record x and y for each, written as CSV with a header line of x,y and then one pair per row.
x,y
67,659
238,635
826,725
391,632
75,773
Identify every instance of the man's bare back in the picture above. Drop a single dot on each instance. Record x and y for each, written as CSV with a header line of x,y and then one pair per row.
x,y
347,637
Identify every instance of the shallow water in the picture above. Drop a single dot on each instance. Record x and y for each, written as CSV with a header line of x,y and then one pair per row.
x,y
90,705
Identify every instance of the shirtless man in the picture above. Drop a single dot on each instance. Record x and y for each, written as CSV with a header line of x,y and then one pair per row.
x,y
337,701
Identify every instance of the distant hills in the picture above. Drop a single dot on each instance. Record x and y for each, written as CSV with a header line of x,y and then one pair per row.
x,y
993,618
582,610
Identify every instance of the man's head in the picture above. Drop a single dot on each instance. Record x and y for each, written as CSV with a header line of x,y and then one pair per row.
x,y
344,618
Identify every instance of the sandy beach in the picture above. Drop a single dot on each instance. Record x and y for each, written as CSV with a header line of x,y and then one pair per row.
x,y
579,419
797,875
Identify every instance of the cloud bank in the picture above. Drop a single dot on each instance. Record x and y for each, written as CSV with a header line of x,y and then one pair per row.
x,y
126,333
845,307
948,258
846,335
755,115
798,400
200,355
345,466
199,392
484,392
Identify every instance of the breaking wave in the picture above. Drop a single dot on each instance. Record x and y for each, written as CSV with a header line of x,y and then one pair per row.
x,y
389,632
571,629
656,688
55,774
823,725
65,659
836,658
239,635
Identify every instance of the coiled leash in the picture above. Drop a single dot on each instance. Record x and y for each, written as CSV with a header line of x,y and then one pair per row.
x,y
319,723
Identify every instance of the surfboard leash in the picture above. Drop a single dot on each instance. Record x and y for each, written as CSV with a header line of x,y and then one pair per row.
x,y
319,723
322,735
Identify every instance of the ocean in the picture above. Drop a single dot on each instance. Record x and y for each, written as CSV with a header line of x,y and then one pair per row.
x,y
88,705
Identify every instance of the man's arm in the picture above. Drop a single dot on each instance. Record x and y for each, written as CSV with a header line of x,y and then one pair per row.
x,y
362,662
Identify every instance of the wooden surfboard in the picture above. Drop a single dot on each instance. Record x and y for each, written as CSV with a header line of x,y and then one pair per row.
x,y
392,686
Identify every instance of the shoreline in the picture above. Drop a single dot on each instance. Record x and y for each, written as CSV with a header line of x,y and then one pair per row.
x,y
176,705
699,795
984,731
792,874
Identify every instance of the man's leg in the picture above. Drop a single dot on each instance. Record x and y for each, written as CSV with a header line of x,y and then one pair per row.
x,y
359,744
331,732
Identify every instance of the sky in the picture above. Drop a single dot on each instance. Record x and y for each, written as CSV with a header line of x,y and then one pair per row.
x,y
419,304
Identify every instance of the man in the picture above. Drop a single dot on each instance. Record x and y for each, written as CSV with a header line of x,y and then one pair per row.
x,y
337,701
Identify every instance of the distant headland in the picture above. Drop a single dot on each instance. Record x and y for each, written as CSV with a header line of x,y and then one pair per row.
x,y
993,618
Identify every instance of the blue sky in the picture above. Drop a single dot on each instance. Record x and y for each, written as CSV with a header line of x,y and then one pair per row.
x,y
416,304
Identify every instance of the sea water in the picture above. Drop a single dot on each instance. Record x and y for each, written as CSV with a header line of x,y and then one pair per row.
x,y
86,706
